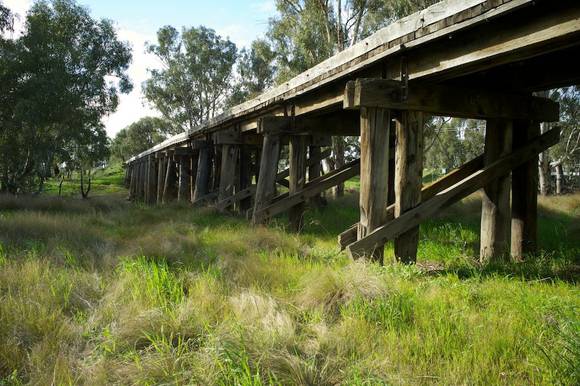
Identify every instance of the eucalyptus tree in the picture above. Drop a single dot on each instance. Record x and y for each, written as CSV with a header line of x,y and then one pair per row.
x,y
194,83
57,81
140,136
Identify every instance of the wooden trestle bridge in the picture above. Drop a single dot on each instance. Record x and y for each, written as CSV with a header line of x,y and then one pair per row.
x,y
478,59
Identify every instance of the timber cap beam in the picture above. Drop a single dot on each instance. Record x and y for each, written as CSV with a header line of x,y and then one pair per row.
x,y
448,101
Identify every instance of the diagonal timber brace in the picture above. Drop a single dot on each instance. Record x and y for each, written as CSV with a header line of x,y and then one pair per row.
x,y
349,236
280,179
454,193
310,190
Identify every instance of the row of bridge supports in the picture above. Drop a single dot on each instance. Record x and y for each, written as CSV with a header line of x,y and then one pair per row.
x,y
239,171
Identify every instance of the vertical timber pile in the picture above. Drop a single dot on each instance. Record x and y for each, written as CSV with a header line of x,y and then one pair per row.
x,y
161,167
183,184
193,160
408,179
141,185
374,170
229,161
315,171
265,188
151,179
524,194
297,161
169,188
203,172
245,179
495,203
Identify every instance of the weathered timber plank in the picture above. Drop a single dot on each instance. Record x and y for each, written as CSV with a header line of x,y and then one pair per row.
x,y
183,178
229,165
245,193
408,179
462,189
449,101
203,174
349,236
374,180
285,201
297,179
266,188
524,232
495,200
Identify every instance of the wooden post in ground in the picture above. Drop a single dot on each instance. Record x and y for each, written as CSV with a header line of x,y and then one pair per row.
x,y
203,172
161,169
131,176
408,179
495,205
183,182
374,170
229,162
524,226
151,179
141,180
297,177
392,152
245,179
315,171
193,160
169,188
265,187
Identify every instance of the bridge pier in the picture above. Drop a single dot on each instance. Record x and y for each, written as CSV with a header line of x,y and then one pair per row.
x,y
495,202
524,227
297,178
202,179
408,178
266,184
375,129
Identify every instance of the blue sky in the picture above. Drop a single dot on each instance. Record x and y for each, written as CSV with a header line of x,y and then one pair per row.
x,y
138,22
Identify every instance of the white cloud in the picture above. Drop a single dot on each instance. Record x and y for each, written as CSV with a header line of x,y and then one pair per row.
x,y
266,6
19,9
132,106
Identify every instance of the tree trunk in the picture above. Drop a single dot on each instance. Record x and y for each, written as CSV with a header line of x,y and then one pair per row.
x,y
559,178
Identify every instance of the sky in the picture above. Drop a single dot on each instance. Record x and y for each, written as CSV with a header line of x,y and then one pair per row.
x,y
137,22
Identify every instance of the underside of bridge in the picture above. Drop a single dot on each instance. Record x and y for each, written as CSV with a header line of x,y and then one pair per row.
x,y
469,59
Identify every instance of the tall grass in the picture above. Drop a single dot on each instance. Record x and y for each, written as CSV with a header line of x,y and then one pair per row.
x,y
106,292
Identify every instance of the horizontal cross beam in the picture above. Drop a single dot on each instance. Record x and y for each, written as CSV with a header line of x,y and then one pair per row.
x,y
448,101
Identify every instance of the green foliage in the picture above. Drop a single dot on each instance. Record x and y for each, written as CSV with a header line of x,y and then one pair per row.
x,y
194,84
255,72
140,136
56,83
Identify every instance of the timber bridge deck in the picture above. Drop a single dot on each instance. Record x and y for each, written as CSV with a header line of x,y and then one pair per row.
x,y
460,58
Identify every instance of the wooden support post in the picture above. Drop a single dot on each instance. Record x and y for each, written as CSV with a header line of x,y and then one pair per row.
x,y
265,187
151,179
161,169
297,155
141,180
524,194
216,161
408,179
374,170
392,152
228,171
495,205
245,176
183,183
193,160
314,171
169,189
203,173
131,185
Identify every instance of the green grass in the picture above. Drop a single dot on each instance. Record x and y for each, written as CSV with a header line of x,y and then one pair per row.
x,y
102,291
104,181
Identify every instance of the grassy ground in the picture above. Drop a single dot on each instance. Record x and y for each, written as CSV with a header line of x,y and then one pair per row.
x,y
102,291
